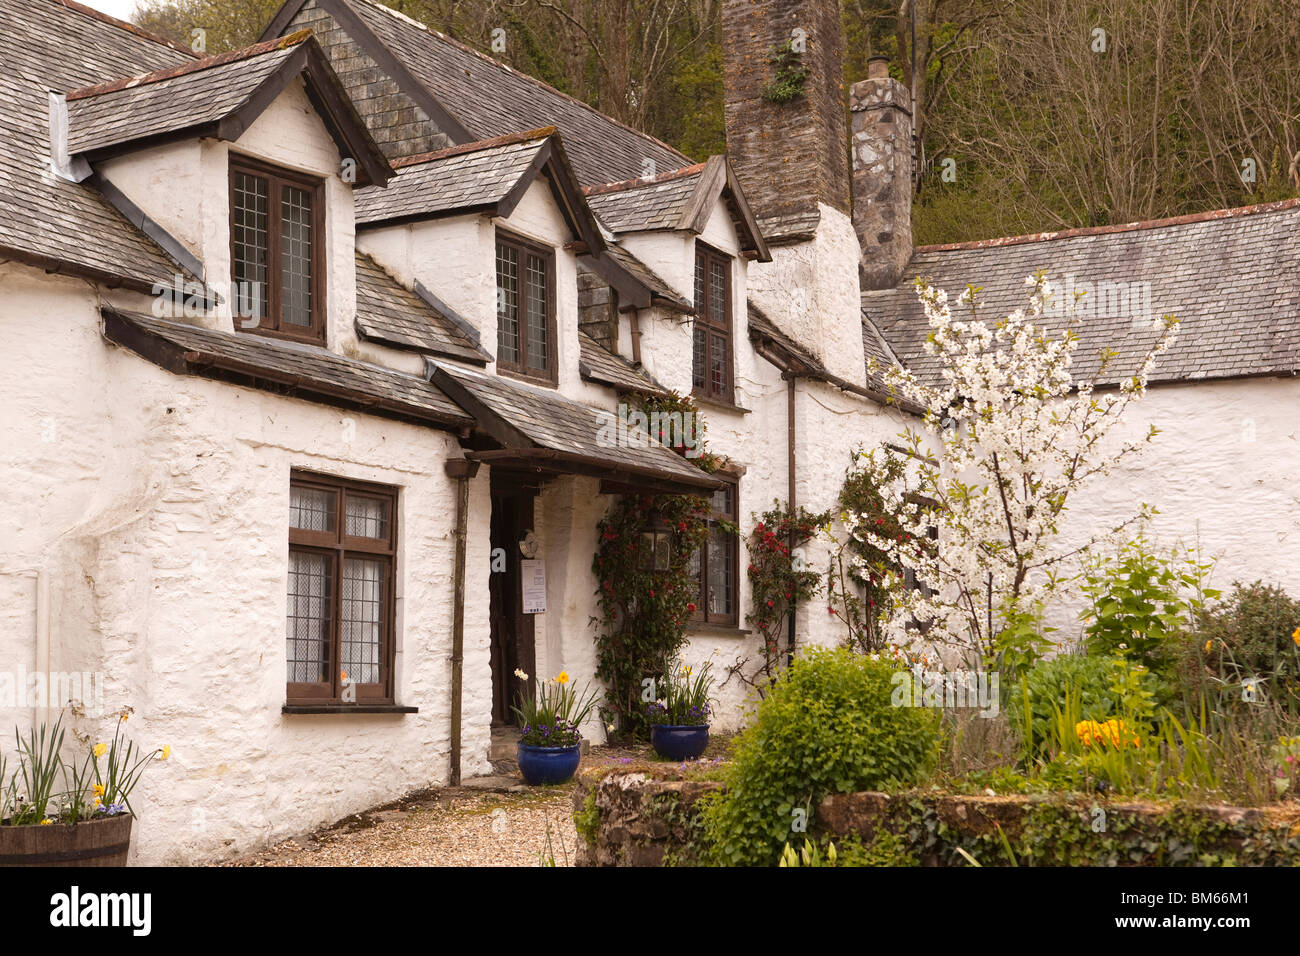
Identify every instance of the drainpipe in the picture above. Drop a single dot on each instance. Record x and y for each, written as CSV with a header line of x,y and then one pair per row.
x,y
462,469
635,326
790,434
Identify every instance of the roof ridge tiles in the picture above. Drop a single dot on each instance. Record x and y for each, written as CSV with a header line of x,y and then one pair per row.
x,y
495,142
124,25
624,184
221,59
523,76
1138,226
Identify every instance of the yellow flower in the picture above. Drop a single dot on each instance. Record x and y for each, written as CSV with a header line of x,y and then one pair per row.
x,y
99,789
166,751
101,749
563,678
46,822
1208,645
686,672
1295,636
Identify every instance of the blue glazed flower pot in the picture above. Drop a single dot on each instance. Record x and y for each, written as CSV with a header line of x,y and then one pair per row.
x,y
679,742
543,765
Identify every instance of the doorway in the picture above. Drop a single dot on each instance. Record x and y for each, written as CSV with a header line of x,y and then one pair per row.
x,y
513,645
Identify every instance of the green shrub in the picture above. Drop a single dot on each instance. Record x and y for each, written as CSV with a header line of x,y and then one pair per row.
x,y
827,727
1143,601
1252,632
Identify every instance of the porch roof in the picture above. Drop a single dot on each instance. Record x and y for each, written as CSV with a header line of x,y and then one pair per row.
x,y
541,431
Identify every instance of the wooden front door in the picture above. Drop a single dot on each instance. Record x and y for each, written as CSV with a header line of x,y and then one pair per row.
x,y
512,630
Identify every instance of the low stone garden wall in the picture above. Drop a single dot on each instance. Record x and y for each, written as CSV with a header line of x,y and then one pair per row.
x,y
648,815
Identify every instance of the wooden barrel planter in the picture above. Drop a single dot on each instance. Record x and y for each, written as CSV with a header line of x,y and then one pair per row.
x,y
102,842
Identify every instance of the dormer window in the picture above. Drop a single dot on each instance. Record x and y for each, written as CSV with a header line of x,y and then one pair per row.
x,y
276,251
712,346
525,309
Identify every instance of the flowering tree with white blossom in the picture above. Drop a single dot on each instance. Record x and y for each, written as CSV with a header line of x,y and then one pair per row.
x,y
1007,437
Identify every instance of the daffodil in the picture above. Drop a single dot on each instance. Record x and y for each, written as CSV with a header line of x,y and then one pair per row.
x,y
1209,644
563,677
100,749
520,673
99,789
166,751
46,822
1295,636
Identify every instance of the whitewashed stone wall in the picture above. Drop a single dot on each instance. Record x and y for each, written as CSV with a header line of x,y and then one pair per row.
x,y
810,289
159,511
1222,473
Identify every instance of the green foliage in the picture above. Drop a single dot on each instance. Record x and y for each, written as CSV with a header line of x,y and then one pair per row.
x,y
682,697
779,579
861,574
646,588
1253,634
826,727
1022,642
39,763
228,24
1143,600
587,820
1051,686
789,74
551,714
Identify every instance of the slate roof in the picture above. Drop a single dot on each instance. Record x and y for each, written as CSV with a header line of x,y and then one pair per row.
x,y
1231,276
644,205
304,371
663,295
189,95
539,425
459,179
490,99
390,313
763,331
598,364
51,45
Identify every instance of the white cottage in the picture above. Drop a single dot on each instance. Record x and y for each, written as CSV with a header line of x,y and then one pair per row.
x,y
305,348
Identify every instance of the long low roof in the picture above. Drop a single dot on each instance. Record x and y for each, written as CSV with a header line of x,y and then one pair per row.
x,y
1231,277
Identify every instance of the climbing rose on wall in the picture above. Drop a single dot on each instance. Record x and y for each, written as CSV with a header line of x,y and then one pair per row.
x,y
1007,437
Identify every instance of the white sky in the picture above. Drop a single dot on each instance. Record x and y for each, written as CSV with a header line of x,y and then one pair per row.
x,y
114,8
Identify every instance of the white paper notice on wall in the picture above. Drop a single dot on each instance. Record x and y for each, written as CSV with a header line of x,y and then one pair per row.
x,y
533,574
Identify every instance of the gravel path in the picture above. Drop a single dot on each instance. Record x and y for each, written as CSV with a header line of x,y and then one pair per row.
x,y
449,827
510,825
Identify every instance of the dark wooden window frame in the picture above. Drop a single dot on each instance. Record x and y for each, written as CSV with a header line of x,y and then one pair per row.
x,y
551,374
712,329
702,614
276,177
338,545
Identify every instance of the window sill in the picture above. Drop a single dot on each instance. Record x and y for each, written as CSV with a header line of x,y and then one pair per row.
x,y
348,709
718,403
718,630
306,338
541,381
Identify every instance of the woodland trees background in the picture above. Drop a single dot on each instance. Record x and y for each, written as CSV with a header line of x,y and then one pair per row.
x,y
1032,114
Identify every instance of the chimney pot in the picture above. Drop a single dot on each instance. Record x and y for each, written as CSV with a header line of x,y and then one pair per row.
x,y
877,67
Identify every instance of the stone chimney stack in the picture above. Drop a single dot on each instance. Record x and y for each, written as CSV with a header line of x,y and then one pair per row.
x,y
881,147
786,137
